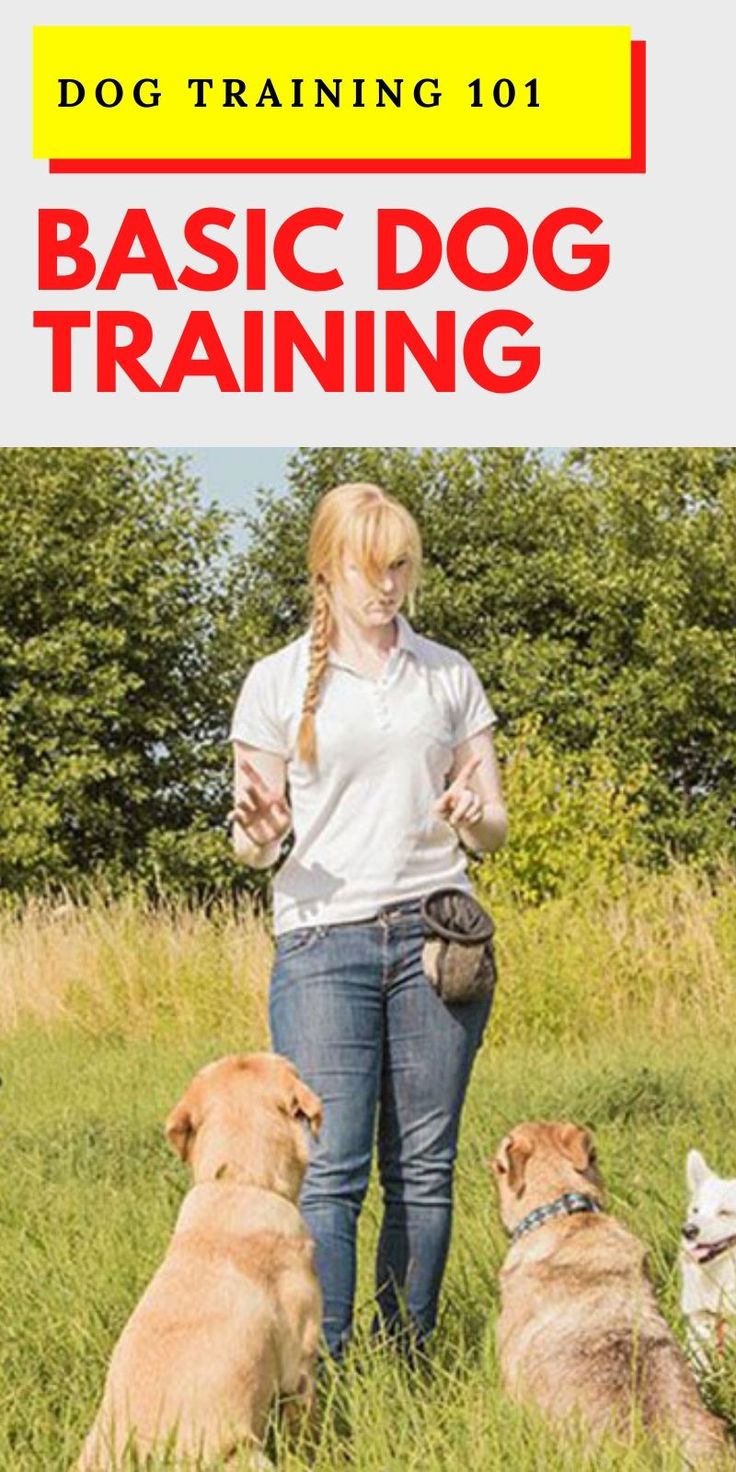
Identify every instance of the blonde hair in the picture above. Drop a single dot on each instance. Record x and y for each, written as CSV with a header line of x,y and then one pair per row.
x,y
374,530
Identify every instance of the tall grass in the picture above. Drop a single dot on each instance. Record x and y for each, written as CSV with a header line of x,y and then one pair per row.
x,y
614,1007
121,966
656,947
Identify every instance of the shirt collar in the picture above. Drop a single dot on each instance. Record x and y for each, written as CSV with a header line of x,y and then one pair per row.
x,y
407,641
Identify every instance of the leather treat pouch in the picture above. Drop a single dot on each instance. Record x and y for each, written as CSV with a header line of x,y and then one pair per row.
x,y
458,957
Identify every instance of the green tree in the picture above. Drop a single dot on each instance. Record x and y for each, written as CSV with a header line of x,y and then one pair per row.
x,y
595,593
113,692
662,631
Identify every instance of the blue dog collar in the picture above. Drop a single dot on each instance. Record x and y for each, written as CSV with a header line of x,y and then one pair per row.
x,y
568,1205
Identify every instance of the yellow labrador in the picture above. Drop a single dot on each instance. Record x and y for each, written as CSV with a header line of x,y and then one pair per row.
x,y
233,1315
580,1333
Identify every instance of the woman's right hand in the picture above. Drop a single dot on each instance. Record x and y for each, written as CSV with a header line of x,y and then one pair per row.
x,y
260,811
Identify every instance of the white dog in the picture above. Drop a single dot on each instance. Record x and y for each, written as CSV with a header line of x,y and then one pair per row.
x,y
708,1261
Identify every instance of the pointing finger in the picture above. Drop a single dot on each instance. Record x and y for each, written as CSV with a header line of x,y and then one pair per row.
x,y
466,771
253,775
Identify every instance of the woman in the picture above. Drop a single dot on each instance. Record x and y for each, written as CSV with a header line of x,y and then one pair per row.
x,y
374,744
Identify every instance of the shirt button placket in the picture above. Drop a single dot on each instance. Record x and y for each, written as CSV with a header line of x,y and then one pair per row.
x,y
384,720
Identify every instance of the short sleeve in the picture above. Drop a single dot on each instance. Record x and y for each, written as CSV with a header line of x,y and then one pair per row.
x,y
256,719
473,711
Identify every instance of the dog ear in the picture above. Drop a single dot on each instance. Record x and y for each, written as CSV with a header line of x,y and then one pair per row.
x,y
697,1170
577,1145
511,1160
181,1126
304,1104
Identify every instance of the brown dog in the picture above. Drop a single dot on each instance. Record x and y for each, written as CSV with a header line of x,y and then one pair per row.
x,y
580,1334
233,1315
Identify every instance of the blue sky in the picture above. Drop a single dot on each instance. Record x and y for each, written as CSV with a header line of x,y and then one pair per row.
x,y
232,476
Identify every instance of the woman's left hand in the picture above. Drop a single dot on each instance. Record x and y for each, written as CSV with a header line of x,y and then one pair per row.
x,y
460,803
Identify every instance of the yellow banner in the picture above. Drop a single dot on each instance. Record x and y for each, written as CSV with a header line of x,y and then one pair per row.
x,y
332,92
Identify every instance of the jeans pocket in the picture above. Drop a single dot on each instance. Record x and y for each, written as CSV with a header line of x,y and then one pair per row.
x,y
296,941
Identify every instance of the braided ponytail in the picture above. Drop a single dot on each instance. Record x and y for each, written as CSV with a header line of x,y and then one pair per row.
x,y
319,646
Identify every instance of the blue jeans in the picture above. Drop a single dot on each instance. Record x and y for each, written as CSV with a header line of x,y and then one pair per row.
x,y
352,1008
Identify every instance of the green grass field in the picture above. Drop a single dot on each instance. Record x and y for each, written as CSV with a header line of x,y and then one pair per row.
x,y
615,1009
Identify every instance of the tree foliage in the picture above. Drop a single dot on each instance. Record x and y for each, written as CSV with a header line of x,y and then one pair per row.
x,y
112,696
594,592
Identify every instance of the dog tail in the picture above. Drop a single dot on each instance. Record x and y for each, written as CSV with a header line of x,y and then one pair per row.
x,y
671,1403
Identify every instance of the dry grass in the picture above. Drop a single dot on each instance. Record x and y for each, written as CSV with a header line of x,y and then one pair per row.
x,y
120,966
659,947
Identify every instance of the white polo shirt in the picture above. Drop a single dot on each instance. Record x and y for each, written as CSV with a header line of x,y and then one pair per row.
x,y
365,835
